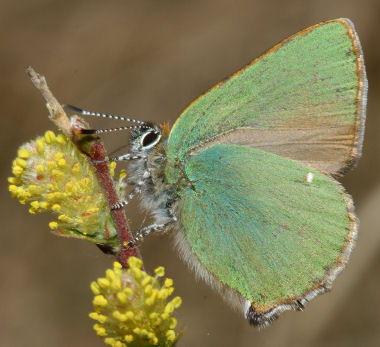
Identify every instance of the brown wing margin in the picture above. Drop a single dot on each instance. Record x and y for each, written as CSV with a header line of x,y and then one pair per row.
x,y
360,101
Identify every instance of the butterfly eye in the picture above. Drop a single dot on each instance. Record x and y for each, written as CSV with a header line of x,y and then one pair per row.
x,y
150,138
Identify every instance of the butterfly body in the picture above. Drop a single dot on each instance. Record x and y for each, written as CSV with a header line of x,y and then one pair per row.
x,y
246,176
156,193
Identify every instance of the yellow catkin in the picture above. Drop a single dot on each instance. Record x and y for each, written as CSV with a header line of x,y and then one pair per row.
x,y
51,174
136,307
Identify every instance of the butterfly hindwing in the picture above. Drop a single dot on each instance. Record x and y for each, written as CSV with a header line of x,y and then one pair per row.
x,y
304,99
269,229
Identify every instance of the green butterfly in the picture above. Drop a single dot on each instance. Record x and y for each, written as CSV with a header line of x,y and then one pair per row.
x,y
246,176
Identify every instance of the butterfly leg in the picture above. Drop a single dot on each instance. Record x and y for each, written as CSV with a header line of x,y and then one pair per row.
x,y
141,233
137,189
126,157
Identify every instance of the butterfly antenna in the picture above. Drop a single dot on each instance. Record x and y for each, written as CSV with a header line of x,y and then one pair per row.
x,y
104,115
103,131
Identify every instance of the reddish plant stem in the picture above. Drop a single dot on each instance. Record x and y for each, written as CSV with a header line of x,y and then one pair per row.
x,y
96,155
98,158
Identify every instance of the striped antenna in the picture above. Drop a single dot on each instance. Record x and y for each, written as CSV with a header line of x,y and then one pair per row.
x,y
102,115
102,131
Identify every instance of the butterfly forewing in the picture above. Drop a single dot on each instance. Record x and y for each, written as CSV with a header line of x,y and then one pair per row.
x,y
304,99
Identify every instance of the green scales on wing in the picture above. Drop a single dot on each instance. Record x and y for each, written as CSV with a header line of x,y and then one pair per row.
x,y
251,215
258,225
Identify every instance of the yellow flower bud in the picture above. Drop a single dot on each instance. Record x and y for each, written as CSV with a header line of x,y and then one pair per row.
x,y
23,153
56,207
104,283
160,271
112,166
40,143
136,310
168,282
100,300
49,137
53,225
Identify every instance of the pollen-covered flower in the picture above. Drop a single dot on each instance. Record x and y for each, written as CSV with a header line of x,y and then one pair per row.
x,y
132,309
51,174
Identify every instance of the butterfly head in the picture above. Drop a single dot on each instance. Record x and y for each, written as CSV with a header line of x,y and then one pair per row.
x,y
145,139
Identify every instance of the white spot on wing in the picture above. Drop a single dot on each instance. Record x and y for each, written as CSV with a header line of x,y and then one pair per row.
x,y
309,177
247,305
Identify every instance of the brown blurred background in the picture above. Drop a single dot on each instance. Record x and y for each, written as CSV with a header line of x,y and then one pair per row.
x,y
149,59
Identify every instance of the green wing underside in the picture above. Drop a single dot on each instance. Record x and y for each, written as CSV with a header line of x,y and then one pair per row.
x,y
301,100
257,225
